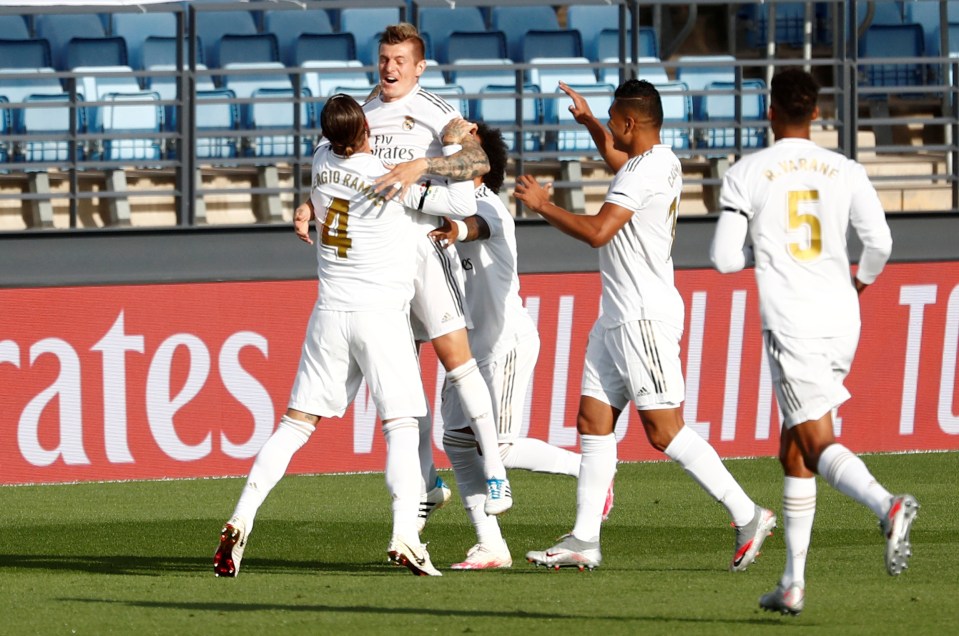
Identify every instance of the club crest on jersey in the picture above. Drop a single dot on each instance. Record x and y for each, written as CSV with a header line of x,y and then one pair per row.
x,y
408,123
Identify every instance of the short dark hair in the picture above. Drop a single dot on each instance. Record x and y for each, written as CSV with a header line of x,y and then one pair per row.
x,y
641,98
343,123
794,93
402,32
491,139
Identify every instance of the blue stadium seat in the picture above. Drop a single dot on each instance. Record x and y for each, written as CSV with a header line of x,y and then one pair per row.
x,y
453,94
474,81
134,116
366,24
698,71
463,45
497,107
165,86
557,43
4,130
322,46
135,28
333,74
60,28
26,53
548,72
266,114
216,112
677,110
97,51
650,69
590,21
268,75
211,26
441,22
892,40
576,138
48,116
359,93
515,21
287,26
158,50
246,49
433,77
607,44
37,81
720,106
790,23
14,27
926,14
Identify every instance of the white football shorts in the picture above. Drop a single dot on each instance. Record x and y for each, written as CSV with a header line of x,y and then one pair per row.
x,y
808,373
638,361
438,306
508,377
342,348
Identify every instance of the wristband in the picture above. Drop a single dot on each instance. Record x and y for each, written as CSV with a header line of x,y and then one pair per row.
x,y
461,229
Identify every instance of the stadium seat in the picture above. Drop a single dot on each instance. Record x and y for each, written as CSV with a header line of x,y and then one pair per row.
x,y
558,43
677,110
650,69
433,77
25,53
288,26
310,47
4,130
159,50
607,44
719,105
359,93
266,114
134,116
60,28
216,112
211,26
246,49
135,28
333,74
14,27
441,22
497,107
590,21
268,75
892,41
576,138
366,24
484,45
49,116
515,21
166,87
790,23
474,80
548,72
926,14
452,94
698,71
36,81
98,51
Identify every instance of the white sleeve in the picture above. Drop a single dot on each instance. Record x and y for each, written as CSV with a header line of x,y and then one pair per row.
x,y
457,198
727,251
869,220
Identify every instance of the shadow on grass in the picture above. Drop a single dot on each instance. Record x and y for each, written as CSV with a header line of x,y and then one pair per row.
x,y
428,612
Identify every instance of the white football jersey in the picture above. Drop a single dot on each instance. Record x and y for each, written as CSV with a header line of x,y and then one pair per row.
x,y
799,199
365,249
492,283
636,265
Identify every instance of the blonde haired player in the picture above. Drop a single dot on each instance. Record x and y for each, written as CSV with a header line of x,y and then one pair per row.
x,y
796,200
633,349
359,328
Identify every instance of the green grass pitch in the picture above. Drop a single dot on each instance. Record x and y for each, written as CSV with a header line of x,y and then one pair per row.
x,y
136,558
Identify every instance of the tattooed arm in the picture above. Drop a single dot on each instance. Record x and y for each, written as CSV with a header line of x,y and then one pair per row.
x,y
464,165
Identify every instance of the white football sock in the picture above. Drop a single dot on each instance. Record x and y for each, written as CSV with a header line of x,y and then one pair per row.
x,y
845,472
403,474
427,465
475,398
596,471
799,510
269,467
471,483
528,453
702,463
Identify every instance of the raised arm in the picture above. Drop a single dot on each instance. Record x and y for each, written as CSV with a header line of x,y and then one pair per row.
x,y
601,137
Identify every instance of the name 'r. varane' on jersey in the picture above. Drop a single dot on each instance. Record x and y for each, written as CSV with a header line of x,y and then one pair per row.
x,y
809,165
347,180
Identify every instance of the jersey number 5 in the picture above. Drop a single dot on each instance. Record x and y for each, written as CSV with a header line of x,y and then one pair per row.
x,y
808,245
335,234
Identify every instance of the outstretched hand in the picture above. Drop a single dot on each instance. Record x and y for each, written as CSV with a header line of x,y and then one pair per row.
x,y
531,193
579,108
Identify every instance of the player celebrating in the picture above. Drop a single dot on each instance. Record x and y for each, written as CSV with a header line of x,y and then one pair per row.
x,y
796,200
359,327
505,342
405,123
633,349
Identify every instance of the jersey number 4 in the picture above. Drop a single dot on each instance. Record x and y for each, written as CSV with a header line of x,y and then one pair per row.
x,y
335,234
805,228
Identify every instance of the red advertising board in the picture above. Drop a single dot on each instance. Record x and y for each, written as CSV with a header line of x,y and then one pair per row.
x,y
188,380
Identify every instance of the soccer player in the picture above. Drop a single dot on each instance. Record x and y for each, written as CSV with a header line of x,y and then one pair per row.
x,y
796,201
505,341
359,327
405,125
633,348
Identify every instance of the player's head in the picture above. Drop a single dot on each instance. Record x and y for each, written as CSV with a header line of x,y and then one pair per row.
x,y
402,59
636,114
793,96
491,139
344,124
